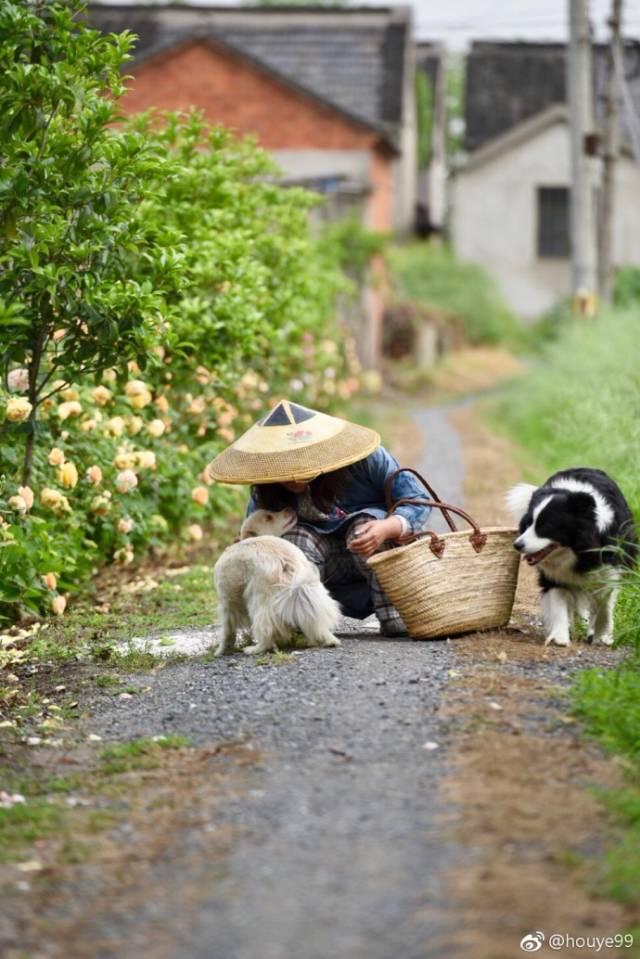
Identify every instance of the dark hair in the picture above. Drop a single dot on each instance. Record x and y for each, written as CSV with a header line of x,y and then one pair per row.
x,y
325,490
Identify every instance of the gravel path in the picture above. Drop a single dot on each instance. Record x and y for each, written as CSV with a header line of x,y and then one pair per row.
x,y
441,463
343,850
343,844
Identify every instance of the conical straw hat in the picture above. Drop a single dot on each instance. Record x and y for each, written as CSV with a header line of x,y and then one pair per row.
x,y
292,444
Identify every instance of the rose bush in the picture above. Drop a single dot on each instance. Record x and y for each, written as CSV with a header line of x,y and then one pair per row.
x,y
153,302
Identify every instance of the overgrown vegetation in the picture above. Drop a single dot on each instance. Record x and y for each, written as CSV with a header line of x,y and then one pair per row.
x,y
424,114
626,286
158,289
431,276
580,407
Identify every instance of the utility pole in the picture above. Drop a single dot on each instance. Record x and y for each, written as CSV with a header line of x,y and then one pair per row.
x,y
583,225
611,150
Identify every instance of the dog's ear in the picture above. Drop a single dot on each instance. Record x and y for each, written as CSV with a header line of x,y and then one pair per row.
x,y
580,503
518,499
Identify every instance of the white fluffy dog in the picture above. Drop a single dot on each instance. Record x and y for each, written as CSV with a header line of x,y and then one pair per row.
x,y
267,587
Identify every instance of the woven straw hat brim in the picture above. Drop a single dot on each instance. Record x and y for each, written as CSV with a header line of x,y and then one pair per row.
x,y
351,444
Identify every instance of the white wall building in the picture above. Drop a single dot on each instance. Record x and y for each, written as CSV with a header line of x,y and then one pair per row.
x,y
510,211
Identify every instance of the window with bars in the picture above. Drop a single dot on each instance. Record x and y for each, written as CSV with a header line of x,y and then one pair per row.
x,y
553,222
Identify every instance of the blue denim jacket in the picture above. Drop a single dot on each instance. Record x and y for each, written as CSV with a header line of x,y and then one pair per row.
x,y
365,494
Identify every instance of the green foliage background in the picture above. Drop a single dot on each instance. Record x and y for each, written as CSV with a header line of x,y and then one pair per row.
x,y
156,257
431,275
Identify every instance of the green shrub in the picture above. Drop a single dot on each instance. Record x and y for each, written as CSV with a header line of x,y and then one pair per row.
x,y
626,286
158,290
432,276
580,403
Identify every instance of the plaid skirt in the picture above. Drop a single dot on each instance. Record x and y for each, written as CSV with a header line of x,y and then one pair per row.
x,y
346,575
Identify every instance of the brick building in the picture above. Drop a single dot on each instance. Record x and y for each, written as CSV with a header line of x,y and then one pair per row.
x,y
329,92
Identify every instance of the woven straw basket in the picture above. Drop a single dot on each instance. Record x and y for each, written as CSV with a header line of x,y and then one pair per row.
x,y
451,583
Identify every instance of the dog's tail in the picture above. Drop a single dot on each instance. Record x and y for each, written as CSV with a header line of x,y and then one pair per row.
x,y
306,605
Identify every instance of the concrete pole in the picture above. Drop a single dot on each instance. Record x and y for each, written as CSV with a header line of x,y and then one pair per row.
x,y
610,152
583,225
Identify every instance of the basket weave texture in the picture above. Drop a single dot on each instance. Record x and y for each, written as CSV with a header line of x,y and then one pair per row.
x,y
458,582
461,591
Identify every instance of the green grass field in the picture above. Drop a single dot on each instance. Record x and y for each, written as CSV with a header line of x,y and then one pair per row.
x,y
580,406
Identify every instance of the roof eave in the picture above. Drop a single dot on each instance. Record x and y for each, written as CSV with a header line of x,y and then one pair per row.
x,y
521,133
386,139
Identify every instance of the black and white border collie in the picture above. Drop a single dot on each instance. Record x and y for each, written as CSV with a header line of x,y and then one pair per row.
x,y
578,529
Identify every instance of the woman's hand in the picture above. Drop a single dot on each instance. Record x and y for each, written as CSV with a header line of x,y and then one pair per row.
x,y
371,535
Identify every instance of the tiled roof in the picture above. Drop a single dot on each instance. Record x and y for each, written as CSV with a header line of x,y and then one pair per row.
x,y
507,83
351,58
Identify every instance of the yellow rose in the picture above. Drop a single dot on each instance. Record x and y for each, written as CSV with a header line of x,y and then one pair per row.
x,y
18,504
125,525
146,460
200,495
101,395
156,428
194,532
101,505
68,475
135,388
197,406
141,400
162,404
50,581
70,394
124,459
18,409
58,605
123,556
109,376
72,408
94,475
134,425
126,481
55,501
27,494
225,418
56,457
18,380
115,426
88,425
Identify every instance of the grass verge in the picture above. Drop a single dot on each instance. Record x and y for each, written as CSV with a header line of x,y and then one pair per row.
x,y
37,806
579,406
432,276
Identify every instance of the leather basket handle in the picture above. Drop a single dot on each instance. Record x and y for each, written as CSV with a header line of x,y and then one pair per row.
x,y
437,545
388,494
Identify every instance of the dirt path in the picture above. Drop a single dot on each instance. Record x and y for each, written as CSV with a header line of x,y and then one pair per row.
x,y
524,782
386,800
